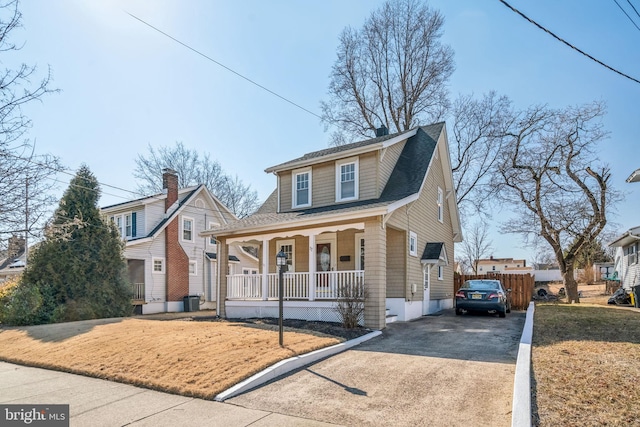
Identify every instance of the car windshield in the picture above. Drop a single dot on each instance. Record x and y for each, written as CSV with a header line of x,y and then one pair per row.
x,y
482,284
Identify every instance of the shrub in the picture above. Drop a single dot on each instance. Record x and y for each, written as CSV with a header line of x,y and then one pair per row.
x,y
20,304
350,305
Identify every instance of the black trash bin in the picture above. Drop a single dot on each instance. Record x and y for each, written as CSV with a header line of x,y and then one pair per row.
x,y
636,295
191,303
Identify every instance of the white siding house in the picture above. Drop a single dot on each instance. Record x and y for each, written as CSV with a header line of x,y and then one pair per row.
x,y
167,259
626,260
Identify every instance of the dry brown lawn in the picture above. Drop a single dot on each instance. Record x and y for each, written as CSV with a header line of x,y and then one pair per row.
x,y
199,359
586,363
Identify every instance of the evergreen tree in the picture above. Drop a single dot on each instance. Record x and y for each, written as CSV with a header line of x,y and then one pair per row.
x,y
79,269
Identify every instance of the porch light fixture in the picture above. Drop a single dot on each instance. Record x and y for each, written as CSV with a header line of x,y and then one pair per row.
x,y
281,262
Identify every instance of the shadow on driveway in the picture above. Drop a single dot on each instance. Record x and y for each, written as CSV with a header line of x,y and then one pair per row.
x,y
443,370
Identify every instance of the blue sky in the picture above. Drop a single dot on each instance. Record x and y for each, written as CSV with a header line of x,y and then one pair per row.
x,y
125,86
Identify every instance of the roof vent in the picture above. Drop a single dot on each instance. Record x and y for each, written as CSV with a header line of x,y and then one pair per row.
x,y
382,131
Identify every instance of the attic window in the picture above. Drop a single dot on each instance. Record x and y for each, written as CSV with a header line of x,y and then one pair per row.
x,y
301,183
347,179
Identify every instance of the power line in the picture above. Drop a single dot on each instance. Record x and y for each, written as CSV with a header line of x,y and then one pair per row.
x,y
225,67
634,8
567,43
625,12
70,184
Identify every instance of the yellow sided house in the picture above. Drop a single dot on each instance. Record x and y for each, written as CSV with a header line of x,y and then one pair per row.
x,y
379,213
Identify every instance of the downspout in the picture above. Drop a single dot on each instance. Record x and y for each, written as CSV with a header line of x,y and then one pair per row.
x,y
204,262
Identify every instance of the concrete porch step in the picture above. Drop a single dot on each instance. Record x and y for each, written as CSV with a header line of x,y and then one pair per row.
x,y
390,318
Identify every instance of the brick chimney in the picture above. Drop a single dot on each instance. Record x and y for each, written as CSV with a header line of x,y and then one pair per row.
x,y
170,185
177,273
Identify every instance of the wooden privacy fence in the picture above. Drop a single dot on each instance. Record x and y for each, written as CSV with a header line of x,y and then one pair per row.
x,y
521,286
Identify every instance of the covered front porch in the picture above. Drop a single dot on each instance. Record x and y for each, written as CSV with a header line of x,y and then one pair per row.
x,y
305,286
321,261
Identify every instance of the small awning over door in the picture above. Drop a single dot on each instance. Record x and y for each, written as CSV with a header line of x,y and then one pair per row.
x,y
434,253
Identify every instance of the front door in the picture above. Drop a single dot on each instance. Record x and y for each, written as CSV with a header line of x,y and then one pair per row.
x,y
323,265
323,257
426,271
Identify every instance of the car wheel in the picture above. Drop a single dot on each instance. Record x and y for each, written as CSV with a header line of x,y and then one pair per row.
x,y
458,311
502,314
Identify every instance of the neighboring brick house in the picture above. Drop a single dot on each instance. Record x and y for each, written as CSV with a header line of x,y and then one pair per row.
x,y
167,259
500,265
381,212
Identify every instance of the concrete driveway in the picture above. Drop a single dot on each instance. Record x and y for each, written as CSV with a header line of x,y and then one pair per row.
x,y
442,370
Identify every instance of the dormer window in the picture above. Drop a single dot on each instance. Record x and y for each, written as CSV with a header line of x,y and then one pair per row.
x,y
347,180
301,182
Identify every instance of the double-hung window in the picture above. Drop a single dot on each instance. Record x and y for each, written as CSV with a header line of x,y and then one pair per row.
x,y
633,255
126,224
187,229
413,244
347,179
301,181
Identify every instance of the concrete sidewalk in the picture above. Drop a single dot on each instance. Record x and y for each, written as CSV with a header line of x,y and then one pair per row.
x,y
95,403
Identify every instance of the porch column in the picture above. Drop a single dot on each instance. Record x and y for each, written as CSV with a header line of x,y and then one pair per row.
x,y
265,270
223,262
312,267
375,273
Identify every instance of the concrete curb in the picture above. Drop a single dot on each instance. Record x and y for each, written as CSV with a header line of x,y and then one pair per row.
x,y
289,365
521,409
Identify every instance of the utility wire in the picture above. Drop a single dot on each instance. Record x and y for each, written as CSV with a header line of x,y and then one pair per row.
x,y
224,66
625,12
567,43
70,184
634,8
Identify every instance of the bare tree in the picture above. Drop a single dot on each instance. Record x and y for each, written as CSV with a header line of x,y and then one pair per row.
x,y
476,245
193,169
239,198
25,177
393,72
479,131
550,174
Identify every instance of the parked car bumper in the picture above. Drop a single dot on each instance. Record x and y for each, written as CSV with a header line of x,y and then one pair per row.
x,y
471,305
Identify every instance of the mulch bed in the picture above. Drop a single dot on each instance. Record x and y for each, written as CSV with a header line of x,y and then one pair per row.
x,y
328,328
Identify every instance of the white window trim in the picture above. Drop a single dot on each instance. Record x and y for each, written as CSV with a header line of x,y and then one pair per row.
x,y
356,187
193,231
195,267
440,205
292,242
251,271
359,239
124,224
153,261
413,238
632,255
440,272
294,189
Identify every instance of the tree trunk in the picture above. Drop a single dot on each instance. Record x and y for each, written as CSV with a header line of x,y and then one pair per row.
x,y
570,285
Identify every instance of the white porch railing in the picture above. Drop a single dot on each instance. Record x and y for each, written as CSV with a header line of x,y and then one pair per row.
x,y
297,286
138,291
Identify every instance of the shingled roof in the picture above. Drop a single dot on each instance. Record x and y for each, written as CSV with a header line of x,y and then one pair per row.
x,y
405,180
